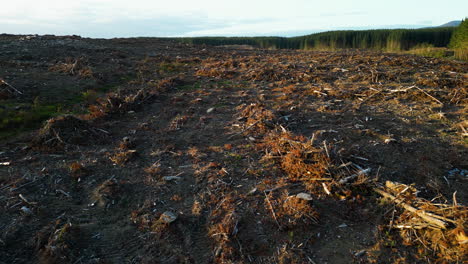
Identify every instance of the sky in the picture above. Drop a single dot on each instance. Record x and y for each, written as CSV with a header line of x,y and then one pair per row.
x,y
180,18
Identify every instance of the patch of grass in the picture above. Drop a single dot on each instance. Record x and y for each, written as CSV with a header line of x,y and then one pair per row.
x,y
190,87
233,158
170,67
428,50
13,121
461,54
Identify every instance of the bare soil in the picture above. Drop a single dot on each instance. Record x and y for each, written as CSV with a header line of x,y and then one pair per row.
x,y
225,139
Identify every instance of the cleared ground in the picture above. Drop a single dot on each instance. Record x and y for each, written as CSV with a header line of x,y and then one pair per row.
x,y
253,151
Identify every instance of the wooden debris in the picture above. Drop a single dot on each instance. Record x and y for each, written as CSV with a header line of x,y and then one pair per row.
x,y
272,211
12,89
428,217
354,176
325,188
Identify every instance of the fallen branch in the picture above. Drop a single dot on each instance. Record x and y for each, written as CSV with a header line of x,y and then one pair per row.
x,y
421,90
272,211
352,177
432,97
428,217
10,86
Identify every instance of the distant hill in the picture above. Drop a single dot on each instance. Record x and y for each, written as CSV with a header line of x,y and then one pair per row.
x,y
454,23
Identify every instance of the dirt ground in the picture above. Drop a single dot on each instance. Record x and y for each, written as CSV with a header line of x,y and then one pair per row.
x,y
226,155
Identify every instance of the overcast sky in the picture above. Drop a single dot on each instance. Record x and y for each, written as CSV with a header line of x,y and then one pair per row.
x,y
130,18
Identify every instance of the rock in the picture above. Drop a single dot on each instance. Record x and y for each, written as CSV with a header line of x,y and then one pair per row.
x,y
304,196
168,217
26,210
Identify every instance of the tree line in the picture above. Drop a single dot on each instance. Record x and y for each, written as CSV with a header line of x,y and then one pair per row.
x,y
381,39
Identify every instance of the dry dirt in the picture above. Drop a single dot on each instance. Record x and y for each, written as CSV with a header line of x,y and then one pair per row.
x,y
250,150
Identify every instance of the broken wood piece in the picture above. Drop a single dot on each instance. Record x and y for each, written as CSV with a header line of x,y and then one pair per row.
x,y
173,177
319,179
352,177
422,226
428,217
63,192
325,188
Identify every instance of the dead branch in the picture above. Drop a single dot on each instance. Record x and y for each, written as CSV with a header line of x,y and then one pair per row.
x,y
272,211
10,86
432,97
416,87
352,177
428,217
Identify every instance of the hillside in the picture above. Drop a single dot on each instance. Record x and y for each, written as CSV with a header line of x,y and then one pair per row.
x,y
454,23
165,152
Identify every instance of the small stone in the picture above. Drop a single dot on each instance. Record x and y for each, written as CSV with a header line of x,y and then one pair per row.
x,y
304,196
342,226
26,210
210,110
168,217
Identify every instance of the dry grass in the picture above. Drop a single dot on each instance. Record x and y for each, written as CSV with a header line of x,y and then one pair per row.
x,y
76,67
222,227
290,211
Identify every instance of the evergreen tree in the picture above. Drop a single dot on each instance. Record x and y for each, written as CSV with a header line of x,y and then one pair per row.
x,y
460,36
459,41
